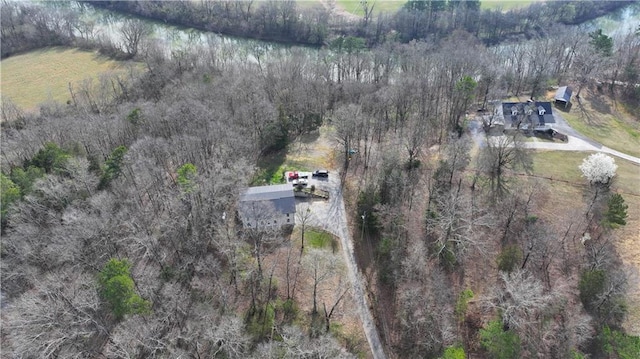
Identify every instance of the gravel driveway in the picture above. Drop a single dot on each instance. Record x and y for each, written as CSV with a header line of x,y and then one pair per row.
x,y
330,215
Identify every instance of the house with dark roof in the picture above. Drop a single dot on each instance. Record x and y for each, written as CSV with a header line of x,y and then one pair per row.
x,y
267,206
563,95
524,115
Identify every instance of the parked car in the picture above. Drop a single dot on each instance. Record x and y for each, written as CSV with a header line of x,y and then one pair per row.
x,y
292,175
320,173
300,182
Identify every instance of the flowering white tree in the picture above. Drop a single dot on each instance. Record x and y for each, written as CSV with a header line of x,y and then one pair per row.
x,y
598,168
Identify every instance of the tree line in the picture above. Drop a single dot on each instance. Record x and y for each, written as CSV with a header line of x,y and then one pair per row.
x,y
284,21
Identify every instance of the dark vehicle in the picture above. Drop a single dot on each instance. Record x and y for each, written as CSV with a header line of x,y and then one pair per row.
x,y
552,134
320,173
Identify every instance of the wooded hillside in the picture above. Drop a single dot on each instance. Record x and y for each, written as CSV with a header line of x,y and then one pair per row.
x,y
119,236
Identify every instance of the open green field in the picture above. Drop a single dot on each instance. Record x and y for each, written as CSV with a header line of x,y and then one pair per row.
x,y
608,129
505,4
387,6
43,75
308,4
563,165
391,6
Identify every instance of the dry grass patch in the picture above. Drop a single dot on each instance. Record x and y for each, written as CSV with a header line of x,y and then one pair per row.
x,y
44,75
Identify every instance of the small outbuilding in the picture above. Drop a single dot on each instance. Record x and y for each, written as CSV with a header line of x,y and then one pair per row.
x,y
563,95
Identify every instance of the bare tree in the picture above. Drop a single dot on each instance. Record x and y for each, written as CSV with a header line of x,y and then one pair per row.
x,y
303,215
346,119
522,302
425,316
416,137
296,344
322,265
502,154
134,33
455,226
341,291
55,319
229,337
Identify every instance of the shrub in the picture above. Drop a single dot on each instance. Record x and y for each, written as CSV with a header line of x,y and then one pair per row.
x,y
591,284
509,258
117,288
367,201
112,167
500,343
454,352
260,321
624,346
25,179
9,193
462,303
186,177
289,310
51,158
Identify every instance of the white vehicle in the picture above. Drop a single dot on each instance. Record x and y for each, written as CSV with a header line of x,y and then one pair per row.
x,y
300,182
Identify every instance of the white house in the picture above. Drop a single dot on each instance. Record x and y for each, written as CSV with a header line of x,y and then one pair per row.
x,y
267,206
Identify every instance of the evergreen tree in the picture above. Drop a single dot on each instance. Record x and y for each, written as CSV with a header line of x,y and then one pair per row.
x,y
616,214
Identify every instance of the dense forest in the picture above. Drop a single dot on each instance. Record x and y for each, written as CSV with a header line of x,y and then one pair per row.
x,y
115,238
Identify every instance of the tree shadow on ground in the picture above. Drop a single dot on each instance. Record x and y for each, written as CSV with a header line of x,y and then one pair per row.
x,y
561,107
588,119
269,167
599,103
310,137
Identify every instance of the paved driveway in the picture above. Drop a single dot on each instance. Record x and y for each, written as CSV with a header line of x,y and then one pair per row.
x,y
576,141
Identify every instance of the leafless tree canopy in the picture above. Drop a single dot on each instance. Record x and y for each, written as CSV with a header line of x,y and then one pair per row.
x,y
443,214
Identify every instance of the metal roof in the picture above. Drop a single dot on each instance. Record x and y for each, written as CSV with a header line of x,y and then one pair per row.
x,y
564,94
280,197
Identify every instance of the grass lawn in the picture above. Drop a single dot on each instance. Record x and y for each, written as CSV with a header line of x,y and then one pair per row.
x,y
309,152
505,4
272,167
600,119
608,129
317,238
308,4
563,165
386,6
39,76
